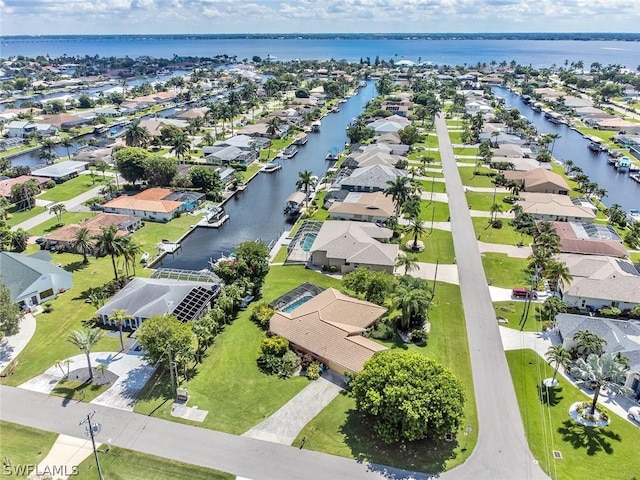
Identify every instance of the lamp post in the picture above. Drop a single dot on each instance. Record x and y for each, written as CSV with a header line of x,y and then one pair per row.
x,y
90,429
467,431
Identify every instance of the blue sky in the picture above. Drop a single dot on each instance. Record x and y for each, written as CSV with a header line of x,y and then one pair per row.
x,y
33,17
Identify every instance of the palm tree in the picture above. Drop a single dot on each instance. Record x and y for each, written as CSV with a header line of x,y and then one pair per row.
x,y
560,356
85,340
600,371
416,228
208,139
408,261
212,116
273,127
181,145
58,209
305,181
412,303
137,135
118,317
552,306
496,208
514,187
399,189
83,242
108,243
555,271
130,249
67,143
590,343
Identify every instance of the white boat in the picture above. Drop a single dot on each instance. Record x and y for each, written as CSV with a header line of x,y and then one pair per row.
x,y
301,139
272,167
315,126
633,215
289,152
623,164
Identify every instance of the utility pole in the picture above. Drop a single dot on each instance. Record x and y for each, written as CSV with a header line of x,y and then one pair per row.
x,y
433,181
90,430
435,277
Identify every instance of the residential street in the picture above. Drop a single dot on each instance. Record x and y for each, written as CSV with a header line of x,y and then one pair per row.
x,y
502,451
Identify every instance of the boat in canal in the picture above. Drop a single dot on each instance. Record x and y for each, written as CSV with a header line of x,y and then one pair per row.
x,y
554,117
635,177
301,139
214,218
272,167
333,154
293,205
288,152
623,164
315,126
633,215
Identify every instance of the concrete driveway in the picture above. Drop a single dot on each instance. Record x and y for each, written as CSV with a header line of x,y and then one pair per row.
x,y
12,345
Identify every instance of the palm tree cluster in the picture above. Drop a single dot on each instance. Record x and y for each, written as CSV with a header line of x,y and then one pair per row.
x,y
546,244
108,242
405,193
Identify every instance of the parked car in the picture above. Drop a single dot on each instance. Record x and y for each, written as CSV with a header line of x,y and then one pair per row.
x,y
523,293
634,413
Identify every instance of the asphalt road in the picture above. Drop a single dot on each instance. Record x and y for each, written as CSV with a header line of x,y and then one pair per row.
x,y
502,452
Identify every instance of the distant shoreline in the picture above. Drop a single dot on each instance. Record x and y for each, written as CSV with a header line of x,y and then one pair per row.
x,y
584,36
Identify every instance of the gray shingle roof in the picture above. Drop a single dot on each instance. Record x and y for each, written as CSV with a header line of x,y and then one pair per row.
x,y
18,272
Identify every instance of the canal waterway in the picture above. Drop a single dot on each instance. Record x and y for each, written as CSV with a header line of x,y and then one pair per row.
x,y
257,212
571,145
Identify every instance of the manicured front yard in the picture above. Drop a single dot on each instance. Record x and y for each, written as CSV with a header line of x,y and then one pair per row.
x,y
438,211
505,235
340,430
438,246
484,201
512,311
504,271
80,391
120,463
73,188
52,224
428,186
610,452
470,180
19,217
465,151
229,384
21,446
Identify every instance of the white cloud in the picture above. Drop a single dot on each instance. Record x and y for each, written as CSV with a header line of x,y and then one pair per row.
x,y
213,16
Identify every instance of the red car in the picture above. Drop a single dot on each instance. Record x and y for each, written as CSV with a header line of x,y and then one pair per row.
x,y
523,293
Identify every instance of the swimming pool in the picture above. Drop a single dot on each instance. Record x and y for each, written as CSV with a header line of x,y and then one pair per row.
x,y
296,303
307,242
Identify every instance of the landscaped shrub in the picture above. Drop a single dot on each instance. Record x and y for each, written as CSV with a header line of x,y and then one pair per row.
x,y
313,371
48,307
269,364
306,360
261,314
610,311
419,336
333,269
49,184
497,224
289,364
382,331
275,345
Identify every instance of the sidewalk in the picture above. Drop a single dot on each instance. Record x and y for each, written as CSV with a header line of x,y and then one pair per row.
x,y
64,457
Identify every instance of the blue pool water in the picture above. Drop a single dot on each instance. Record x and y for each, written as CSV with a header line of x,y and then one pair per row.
x,y
293,305
308,241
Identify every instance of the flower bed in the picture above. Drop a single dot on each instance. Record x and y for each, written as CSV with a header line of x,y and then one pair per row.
x,y
580,412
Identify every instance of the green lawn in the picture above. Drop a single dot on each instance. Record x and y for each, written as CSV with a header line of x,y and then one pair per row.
x,y
438,187
504,271
483,201
438,211
438,246
52,224
281,256
340,430
505,235
72,188
251,171
635,257
229,384
610,452
513,311
471,180
23,446
416,155
465,151
19,217
123,464
432,174
74,390
456,137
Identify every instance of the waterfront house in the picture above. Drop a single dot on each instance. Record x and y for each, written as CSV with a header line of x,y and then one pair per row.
x,y
259,130
373,178
156,204
363,207
556,208
615,123
621,336
20,129
348,245
154,125
599,281
63,238
589,239
143,298
539,180
32,279
227,155
64,121
193,113
329,326
62,171
476,106
519,164
398,107
371,157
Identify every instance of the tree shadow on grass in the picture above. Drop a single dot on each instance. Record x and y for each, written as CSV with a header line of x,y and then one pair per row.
x,y
420,456
592,440
75,266
157,392
550,396
53,228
